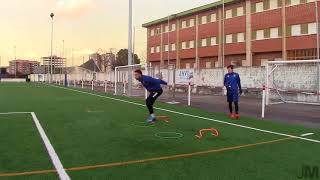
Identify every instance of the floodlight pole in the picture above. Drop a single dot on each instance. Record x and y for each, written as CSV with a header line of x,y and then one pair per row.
x,y
130,49
15,61
51,15
318,51
223,49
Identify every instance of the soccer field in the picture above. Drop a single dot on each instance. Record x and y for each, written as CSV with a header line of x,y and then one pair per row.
x,y
101,136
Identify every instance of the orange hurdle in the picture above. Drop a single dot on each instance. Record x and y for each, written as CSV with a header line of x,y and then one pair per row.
x,y
163,118
214,132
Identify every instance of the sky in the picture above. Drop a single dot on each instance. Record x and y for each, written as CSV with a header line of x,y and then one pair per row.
x,y
85,26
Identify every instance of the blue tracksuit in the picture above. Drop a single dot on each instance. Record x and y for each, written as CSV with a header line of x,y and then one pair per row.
x,y
151,84
233,84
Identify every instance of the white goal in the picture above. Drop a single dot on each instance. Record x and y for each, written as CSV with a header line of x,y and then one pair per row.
x,y
294,81
122,77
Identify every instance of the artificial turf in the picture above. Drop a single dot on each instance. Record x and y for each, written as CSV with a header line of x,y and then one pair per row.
x,y
88,130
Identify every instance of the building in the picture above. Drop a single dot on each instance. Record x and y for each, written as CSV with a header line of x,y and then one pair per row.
x,y
58,63
103,61
239,32
108,59
23,67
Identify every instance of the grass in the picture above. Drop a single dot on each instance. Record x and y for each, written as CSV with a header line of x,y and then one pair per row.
x,y
87,130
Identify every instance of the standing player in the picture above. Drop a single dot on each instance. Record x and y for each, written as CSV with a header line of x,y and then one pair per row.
x,y
233,85
154,87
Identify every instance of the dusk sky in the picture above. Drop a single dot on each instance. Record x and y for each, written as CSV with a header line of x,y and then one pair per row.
x,y
85,25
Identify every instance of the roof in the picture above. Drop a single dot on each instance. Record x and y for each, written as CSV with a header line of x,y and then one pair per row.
x,y
53,57
90,65
189,12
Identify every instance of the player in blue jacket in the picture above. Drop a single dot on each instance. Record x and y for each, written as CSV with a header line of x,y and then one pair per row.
x,y
154,87
233,84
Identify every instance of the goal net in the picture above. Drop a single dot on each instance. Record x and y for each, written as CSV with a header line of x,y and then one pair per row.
x,y
296,81
122,77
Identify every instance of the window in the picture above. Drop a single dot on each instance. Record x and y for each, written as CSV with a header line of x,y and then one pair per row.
x,y
187,65
296,30
191,23
158,49
184,45
166,48
273,4
152,50
194,65
260,34
312,28
274,32
240,11
229,38
173,27
152,32
204,20
228,13
173,47
213,41
158,31
166,29
208,65
184,24
213,17
191,44
240,37
294,2
263,62
310,1
203,42
259,7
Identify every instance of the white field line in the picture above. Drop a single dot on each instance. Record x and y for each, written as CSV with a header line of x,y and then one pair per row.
x,y
199,117
14,113
307,134
52,153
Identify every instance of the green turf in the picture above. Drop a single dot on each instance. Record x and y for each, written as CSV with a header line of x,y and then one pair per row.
x,y
88,130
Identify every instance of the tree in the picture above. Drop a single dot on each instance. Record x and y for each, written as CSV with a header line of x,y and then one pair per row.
x,y
122,58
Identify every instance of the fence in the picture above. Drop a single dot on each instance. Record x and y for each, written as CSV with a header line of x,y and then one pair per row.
x,y
204,81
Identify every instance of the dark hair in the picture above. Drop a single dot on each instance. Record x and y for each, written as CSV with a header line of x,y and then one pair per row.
x,y
138,71
230,66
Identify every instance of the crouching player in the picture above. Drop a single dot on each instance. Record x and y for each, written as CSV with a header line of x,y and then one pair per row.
x,y
233,85
154,87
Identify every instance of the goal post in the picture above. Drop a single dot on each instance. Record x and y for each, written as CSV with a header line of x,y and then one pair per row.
x,y
166,73
121,75
292,81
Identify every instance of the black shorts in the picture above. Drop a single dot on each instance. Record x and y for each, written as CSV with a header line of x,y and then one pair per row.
x,y
155,94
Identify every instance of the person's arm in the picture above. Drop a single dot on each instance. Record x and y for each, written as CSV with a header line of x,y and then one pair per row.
x,y
225,81
239,84
163,82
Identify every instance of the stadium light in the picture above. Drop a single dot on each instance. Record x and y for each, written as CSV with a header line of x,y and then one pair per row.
x,y
223,43
130,49
15,61
51,15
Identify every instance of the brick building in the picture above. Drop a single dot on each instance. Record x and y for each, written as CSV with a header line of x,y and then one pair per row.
x,y
23,67
249,33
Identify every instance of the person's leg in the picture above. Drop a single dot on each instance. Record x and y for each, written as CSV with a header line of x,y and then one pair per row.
x,y
230,107
150,101
149,104
236,104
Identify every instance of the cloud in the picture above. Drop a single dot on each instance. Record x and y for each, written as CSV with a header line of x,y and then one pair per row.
x,y
74,8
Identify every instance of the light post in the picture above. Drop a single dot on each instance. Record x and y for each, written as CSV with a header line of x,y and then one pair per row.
x,y
51,15
130,49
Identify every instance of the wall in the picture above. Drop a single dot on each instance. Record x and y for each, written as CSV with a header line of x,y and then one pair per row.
x,y
294,82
